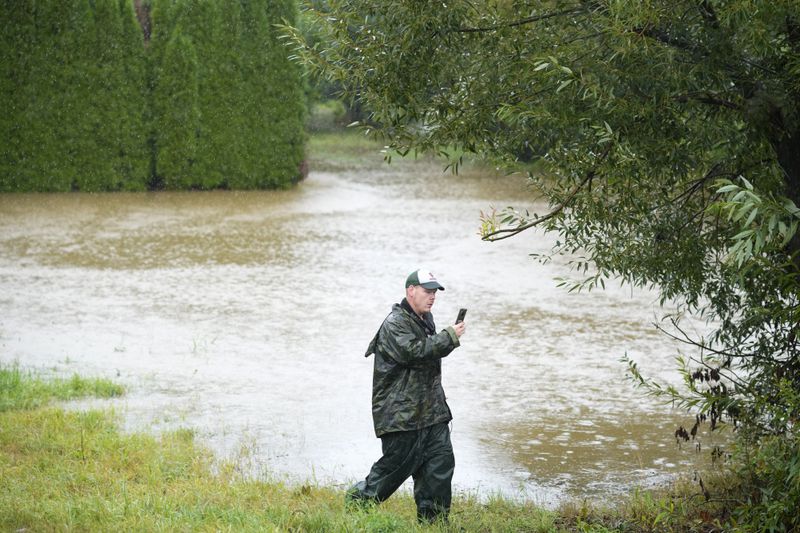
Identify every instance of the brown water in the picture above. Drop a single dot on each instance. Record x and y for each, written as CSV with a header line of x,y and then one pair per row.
x,y
244,316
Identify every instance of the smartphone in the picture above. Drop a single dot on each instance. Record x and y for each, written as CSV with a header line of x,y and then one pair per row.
x,y
461,314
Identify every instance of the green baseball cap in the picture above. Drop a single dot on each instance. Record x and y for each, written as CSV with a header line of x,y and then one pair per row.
x,y
424,278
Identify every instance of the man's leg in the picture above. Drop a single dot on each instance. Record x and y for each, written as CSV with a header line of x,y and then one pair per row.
x,y
401,456
432,480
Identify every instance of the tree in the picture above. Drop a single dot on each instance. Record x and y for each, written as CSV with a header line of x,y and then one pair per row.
x,y
212,101
133,156
245,123
323,92
671,138
73,88
176,100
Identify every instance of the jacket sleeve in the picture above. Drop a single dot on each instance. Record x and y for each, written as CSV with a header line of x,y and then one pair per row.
x,y
399,341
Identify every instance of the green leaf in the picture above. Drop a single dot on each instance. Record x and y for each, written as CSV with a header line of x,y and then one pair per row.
x,y
738,214
752,216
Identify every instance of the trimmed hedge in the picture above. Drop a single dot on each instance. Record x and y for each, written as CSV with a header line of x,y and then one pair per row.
x,y
212,101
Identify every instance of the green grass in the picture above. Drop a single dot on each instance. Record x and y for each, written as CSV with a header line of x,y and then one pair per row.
x,y
351,149
23,390
76,471
344,150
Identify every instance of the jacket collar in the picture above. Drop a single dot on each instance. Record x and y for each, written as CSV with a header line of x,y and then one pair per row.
x,y
426,321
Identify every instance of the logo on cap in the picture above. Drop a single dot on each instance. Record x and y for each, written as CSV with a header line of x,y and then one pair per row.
x,y
424,278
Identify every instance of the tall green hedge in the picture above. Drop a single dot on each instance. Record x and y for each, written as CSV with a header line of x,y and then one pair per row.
x,y
239,131
178,114
73,93
212,101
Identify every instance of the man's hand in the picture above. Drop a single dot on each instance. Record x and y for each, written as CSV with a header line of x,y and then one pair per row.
x,y
460,328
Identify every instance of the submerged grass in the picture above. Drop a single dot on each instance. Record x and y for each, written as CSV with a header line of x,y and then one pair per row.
x,y
67,470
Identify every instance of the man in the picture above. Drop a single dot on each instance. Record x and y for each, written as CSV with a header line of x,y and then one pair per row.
x,y
409,410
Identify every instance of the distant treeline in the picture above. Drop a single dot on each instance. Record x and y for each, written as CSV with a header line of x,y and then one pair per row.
x,y
205,97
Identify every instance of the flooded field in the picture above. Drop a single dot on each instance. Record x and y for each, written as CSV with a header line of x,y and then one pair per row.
x,y
245,315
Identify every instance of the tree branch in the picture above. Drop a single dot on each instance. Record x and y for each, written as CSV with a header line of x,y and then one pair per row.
x,y
686,339
692,342
528,20
705,97
505,233
695,186
665,38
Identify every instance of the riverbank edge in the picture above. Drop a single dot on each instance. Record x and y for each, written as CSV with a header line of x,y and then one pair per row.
x,y
76,470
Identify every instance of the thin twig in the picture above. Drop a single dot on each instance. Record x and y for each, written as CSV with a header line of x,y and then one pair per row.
x,y
510,232
691,342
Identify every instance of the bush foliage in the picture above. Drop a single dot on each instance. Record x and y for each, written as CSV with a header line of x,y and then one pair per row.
x,y
211,102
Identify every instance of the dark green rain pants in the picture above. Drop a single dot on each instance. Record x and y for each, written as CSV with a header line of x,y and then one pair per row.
x,y
427,456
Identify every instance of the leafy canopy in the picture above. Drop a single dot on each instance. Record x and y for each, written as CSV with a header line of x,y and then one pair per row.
x,y
670,133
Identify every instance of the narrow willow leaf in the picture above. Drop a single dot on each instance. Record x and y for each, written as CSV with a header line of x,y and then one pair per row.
x,y
752,216
563,85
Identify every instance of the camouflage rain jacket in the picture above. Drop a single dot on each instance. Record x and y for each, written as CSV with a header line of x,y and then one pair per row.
x,y
407,391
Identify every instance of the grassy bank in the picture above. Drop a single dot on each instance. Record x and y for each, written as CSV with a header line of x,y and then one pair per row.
x,y
351,149
340,150
24,390
66,470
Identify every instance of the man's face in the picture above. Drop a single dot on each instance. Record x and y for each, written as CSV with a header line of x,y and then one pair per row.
x,y
420,299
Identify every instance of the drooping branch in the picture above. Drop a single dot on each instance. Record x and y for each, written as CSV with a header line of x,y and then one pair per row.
x,y
687,339
664,37
520,22
499,235
699,183
705,97
696,185
505,233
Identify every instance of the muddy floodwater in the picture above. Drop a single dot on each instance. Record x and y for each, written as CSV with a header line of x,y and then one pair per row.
x,y
245,315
